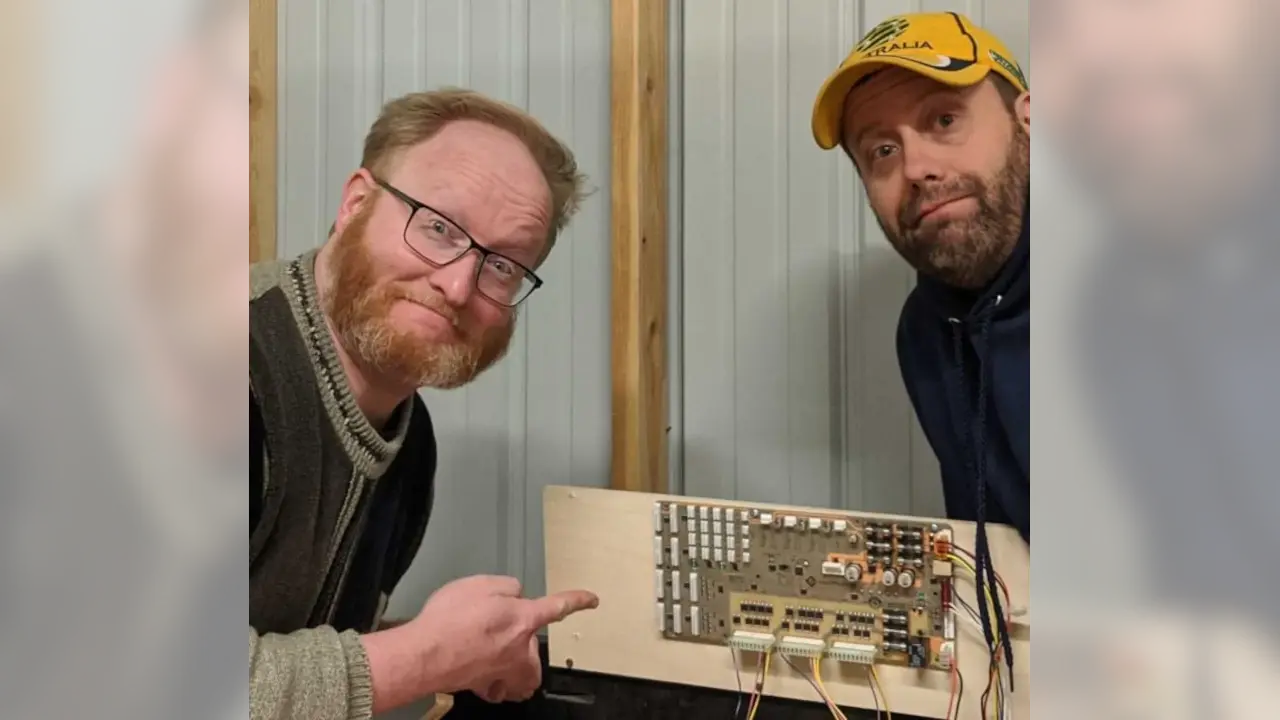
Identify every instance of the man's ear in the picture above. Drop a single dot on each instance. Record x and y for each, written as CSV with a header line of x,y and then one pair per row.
x,y
357,193
1022,109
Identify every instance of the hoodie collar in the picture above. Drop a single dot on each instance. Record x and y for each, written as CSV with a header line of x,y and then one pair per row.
x,y
1011,285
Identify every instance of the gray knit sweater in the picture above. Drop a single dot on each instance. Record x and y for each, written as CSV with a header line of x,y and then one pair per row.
x,y
338,508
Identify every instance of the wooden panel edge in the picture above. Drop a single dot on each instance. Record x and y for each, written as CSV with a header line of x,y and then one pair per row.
x,y
639,245
263,103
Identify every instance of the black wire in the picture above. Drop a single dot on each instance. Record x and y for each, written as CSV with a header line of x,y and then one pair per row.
x,y
960,691
737,674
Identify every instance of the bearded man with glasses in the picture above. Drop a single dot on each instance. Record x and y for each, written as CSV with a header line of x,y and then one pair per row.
x,y
457,201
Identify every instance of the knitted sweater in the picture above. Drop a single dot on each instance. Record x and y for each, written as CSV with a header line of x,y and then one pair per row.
x,y
338,508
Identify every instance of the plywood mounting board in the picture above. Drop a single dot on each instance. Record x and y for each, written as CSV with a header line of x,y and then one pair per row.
x,y
600,540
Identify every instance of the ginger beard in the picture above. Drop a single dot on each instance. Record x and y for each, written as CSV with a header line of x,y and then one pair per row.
x,y
359,307
968,253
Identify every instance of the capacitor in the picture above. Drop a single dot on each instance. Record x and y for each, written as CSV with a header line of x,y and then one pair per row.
x,y
853,573
888,577
906,578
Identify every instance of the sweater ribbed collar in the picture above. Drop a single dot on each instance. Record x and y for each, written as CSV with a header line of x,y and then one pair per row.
x,y
369,450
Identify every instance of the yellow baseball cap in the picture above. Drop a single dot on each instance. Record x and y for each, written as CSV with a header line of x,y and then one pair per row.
x,y
944,46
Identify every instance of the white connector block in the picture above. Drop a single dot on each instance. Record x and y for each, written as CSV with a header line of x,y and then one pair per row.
x,y
749,641
858,653
801,646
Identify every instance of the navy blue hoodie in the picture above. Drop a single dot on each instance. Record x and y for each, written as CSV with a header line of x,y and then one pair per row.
x,y
966,362
965,358
1184,361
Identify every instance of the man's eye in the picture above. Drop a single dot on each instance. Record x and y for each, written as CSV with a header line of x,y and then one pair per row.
x,y
881,151
946,120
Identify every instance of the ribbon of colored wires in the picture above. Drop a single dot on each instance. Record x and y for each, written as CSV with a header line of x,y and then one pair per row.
x,y
815,680
995,679
971,563
758,693
822,690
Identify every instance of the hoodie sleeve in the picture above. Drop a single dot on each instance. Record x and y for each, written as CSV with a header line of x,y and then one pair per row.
x,y
313,674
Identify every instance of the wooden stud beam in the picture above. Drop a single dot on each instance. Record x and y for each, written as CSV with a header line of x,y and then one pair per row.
x,y
262,129
22,136
639,189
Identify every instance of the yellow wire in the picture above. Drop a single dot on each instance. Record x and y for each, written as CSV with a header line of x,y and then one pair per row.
x,y
875,680
759,692
998,705
822,690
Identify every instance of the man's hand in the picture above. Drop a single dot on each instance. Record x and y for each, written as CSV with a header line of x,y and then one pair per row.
x,y
474,634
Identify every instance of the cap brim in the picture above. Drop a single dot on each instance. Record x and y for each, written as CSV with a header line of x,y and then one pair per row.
x,y
828,109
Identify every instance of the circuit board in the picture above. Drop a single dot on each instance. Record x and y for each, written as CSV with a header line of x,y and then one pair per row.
x,y
857,589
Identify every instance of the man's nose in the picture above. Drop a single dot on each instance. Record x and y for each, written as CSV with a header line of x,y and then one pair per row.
x,y
920,160
456,281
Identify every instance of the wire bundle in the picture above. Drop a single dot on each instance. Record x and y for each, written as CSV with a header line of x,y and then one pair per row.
x,y
815,680
999,683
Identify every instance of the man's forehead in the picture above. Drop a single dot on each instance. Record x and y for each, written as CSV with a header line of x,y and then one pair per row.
x,y
887,95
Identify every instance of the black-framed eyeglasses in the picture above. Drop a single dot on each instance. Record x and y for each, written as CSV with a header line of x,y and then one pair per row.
x,y
440,241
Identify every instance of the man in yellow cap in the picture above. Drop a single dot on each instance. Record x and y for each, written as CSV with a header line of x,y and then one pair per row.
x,y
935,114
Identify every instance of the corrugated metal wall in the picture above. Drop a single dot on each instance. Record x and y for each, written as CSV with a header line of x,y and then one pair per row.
x,y
791,293
541,416
785,294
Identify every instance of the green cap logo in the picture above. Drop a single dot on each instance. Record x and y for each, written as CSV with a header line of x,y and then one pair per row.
x,y
1009,65
883,33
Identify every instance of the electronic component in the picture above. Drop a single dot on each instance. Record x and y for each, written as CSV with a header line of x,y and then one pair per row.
x,y
946,650
852,573
857,589
802,646
859,653
751,641
917,653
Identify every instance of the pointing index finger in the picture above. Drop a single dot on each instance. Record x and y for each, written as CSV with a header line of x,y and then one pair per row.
x,y
554,608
